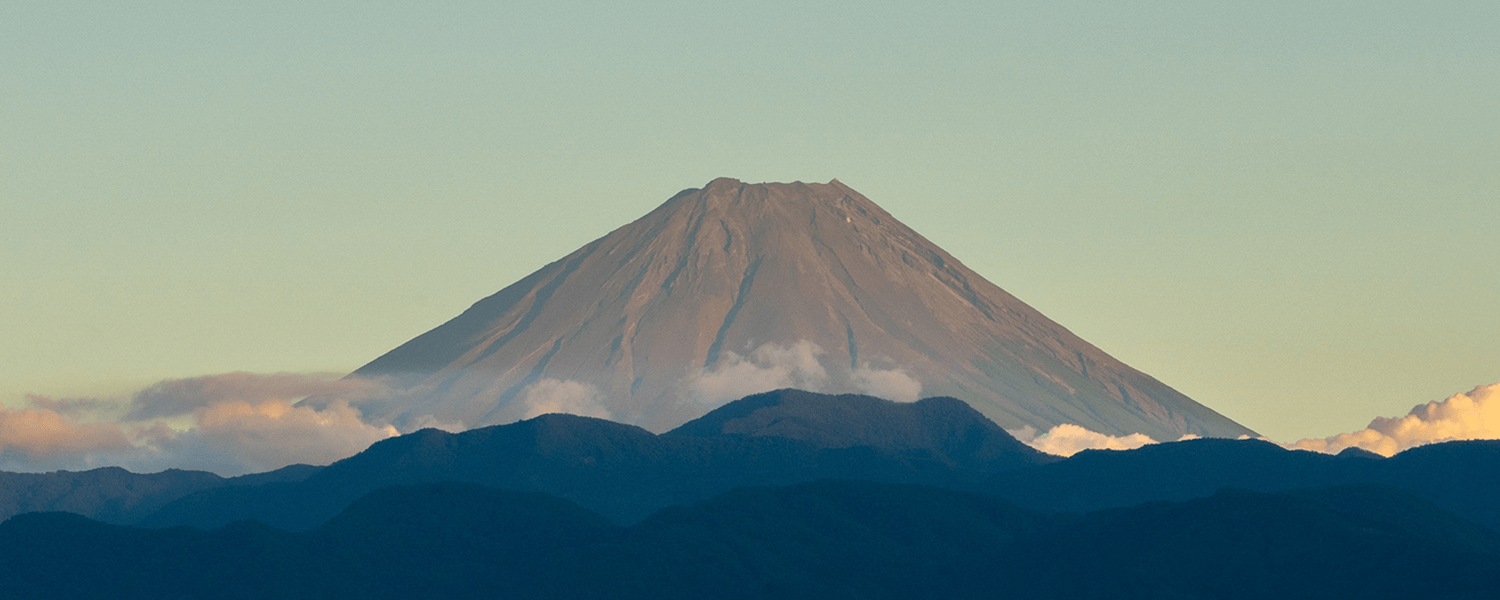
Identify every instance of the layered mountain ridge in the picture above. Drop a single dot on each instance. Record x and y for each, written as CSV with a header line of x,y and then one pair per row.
x,y
736,288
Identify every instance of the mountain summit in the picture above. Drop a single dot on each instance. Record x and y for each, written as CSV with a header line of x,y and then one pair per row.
x,y
740,288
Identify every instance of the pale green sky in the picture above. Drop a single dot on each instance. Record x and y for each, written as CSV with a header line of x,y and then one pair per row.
x,y
1286,210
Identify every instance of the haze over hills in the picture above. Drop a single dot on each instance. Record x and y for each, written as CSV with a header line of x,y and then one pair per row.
x,y
739,288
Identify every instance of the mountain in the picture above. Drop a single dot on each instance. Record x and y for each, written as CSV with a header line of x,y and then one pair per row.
x,y
625,472
737,288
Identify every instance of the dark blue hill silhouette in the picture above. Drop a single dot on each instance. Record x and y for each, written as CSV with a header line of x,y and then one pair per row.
x,y
63,555
1357,541
448,540
1463,477
1458,476
943,429
1357,452
823,539
1095,479
625,472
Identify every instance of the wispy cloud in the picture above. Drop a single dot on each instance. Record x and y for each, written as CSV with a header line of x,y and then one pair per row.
x,y
891,384
1468,416
556,396
768,367
1069,439
773,366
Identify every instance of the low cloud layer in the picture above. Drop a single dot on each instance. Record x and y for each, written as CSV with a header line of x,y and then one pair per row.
x,y
1470,416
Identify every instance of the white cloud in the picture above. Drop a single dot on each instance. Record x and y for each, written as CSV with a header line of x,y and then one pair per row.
x,y
1068,439
769,367
557,396
1474,415
891,384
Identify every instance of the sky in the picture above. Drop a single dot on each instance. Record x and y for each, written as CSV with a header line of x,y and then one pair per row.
x,y
1285,210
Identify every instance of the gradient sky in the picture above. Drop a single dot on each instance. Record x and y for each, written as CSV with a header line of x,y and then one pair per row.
x,y
1285,209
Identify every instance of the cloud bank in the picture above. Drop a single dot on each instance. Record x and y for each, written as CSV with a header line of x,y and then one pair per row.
x,y
1470,416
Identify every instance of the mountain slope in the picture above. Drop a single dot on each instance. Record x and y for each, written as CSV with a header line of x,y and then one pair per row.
x,y
737,288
